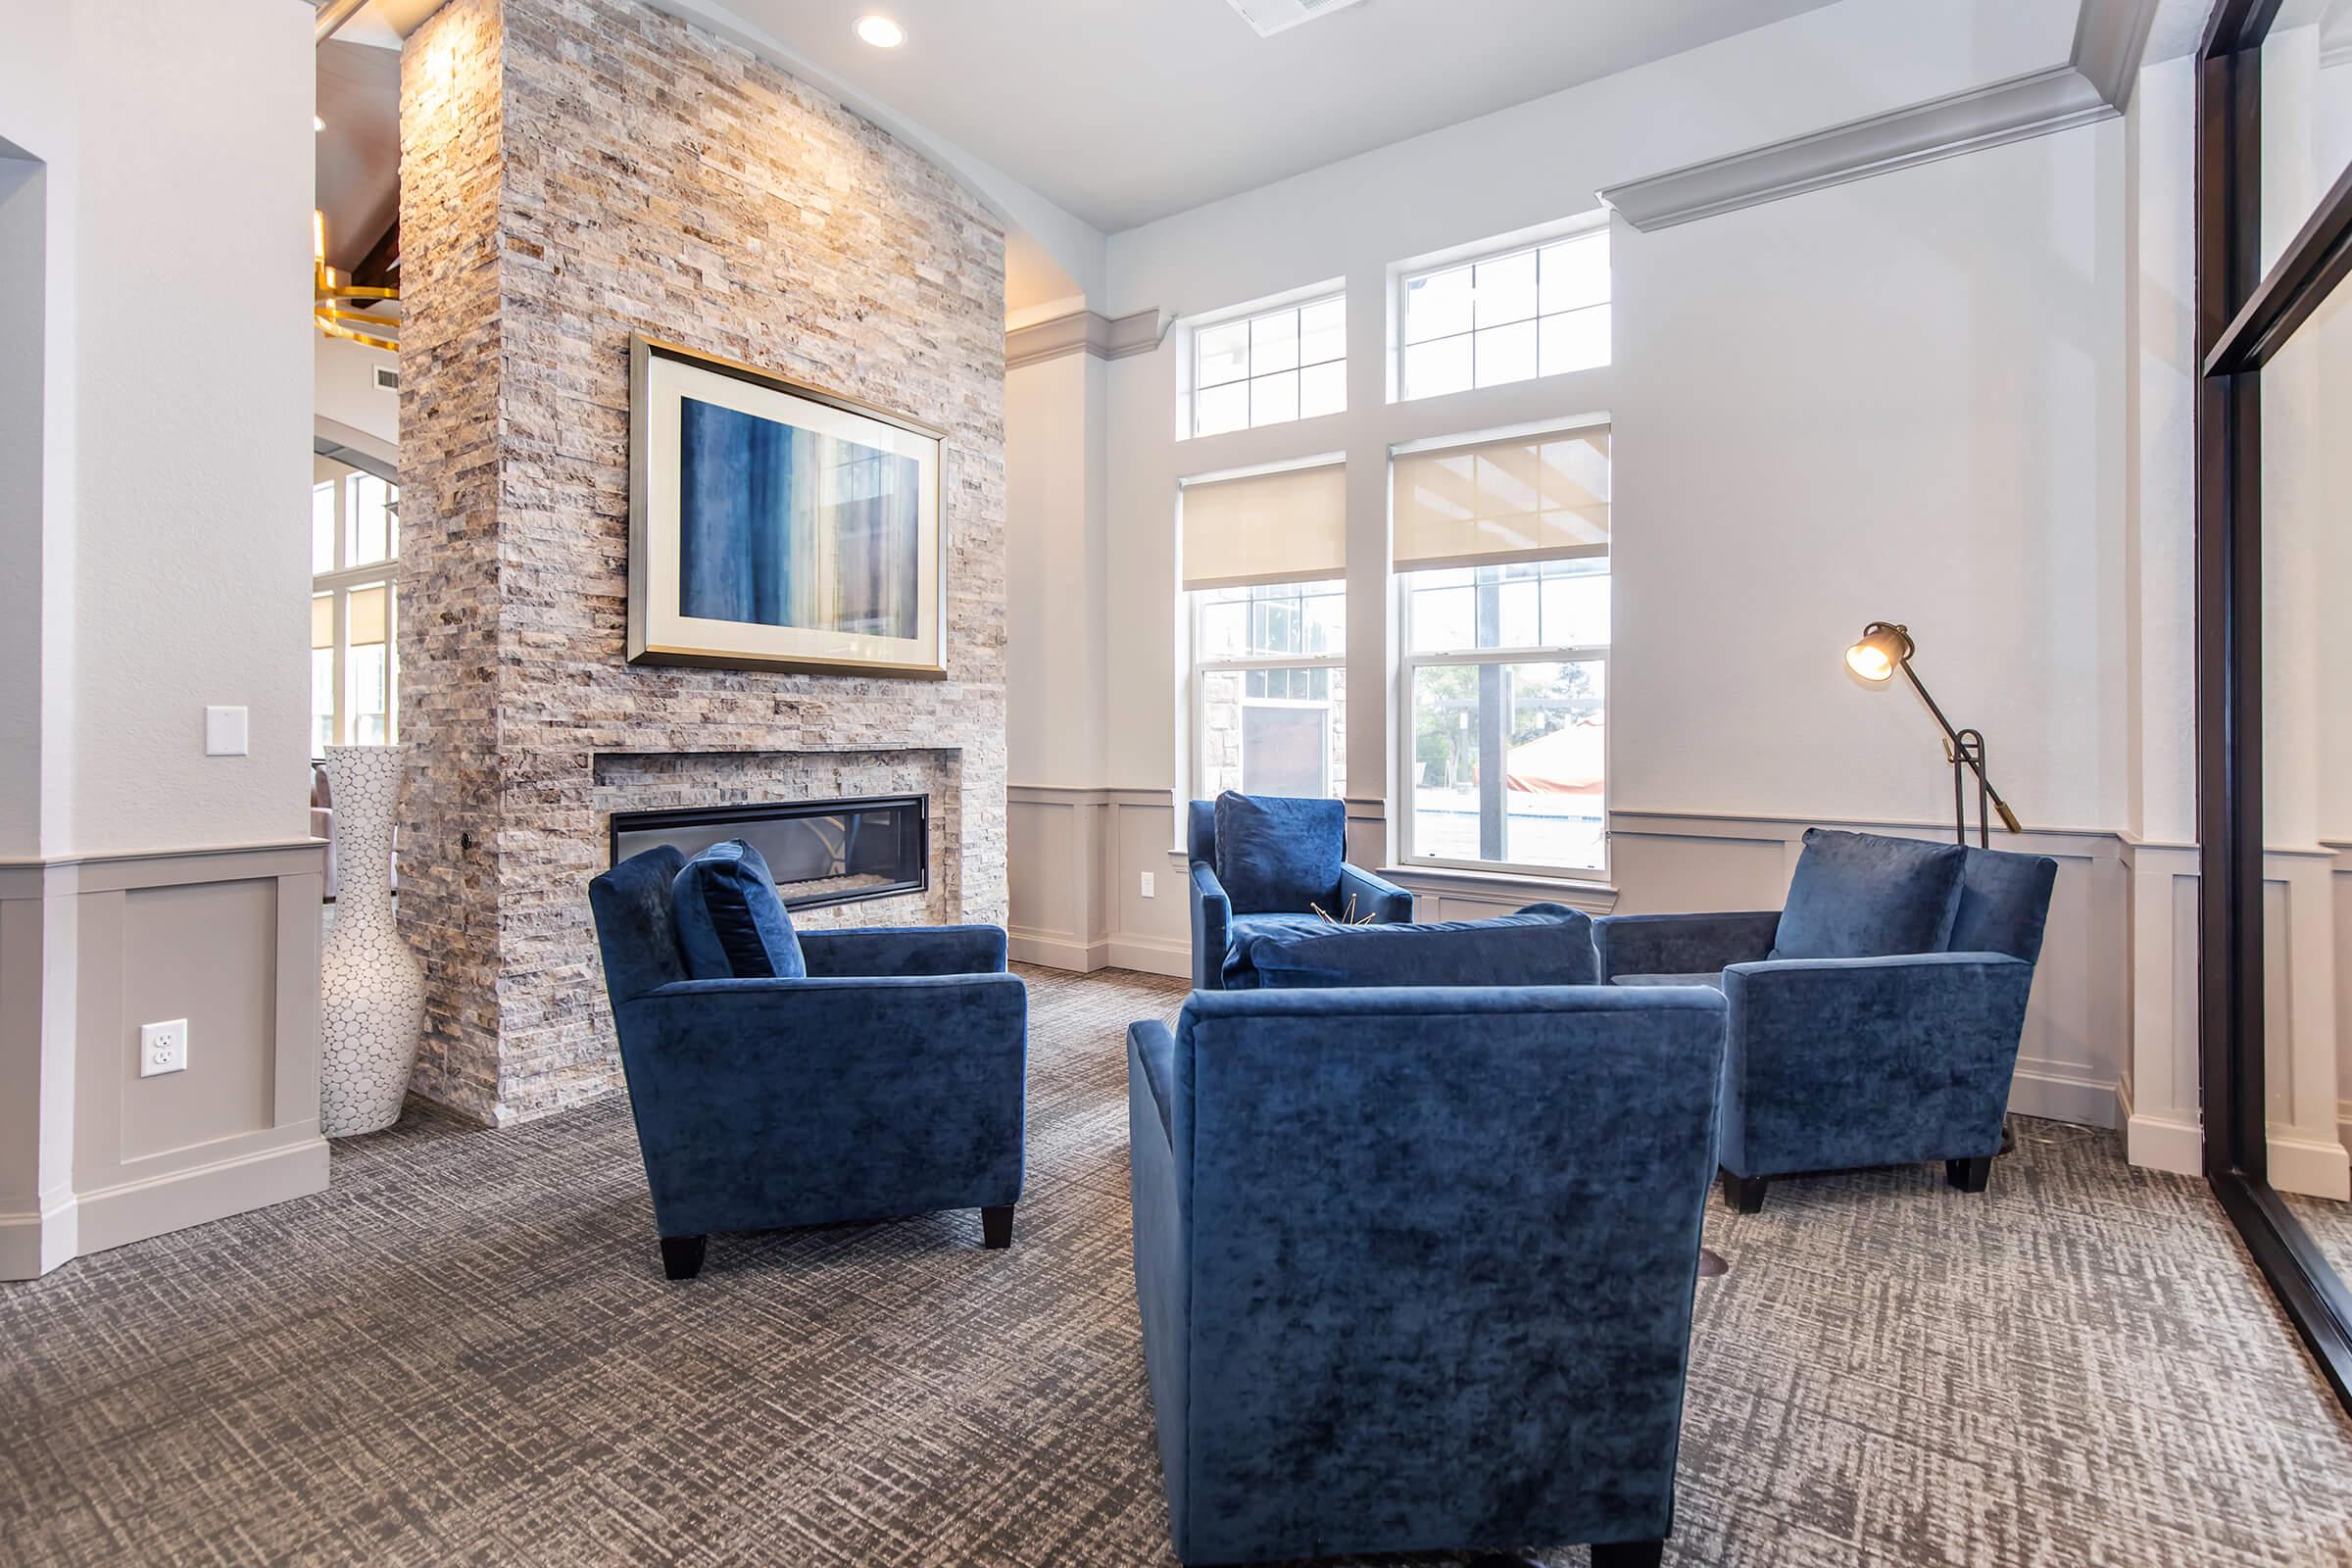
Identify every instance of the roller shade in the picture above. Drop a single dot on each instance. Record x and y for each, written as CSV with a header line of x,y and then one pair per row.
x,y
1528,498
1290,526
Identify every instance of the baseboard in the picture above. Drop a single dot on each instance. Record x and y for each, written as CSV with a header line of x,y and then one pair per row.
x,y
2311,1166
136,1210
1152,955
2159,1142
31,1245
1056,950
2059,1091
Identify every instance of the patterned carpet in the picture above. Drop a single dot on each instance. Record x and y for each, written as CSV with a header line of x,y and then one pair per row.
x,y
464,1353
2329,1224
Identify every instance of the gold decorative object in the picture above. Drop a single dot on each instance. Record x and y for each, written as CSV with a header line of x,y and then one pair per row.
x,y
329,292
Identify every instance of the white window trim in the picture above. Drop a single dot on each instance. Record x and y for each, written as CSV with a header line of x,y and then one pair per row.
x,y
1196,601
340,582
1498,248
1188,363
1408,663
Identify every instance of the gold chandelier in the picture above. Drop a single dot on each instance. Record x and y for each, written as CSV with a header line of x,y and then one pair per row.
x,y
330,293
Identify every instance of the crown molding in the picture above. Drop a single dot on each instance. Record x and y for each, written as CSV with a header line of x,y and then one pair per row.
x,y
2092,85
1082,332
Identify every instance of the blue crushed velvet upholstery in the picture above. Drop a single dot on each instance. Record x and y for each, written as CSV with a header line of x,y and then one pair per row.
x,y
1220,939
731,923
1862,895
1279,852
888,1081
1714,980
1543,945
1415,1265
1681,944
1246,931
1836,1064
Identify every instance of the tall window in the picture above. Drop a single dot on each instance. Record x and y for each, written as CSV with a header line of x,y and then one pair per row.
x,y
1503,562
355,551
1281,365
1264,576
1541,311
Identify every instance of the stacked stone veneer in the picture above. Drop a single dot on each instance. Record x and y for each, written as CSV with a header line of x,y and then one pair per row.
x,y
572,171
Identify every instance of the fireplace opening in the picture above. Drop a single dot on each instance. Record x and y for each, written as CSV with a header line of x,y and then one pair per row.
x,y
820,852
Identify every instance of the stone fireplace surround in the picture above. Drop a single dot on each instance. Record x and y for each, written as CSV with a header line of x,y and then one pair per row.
x,y
744,215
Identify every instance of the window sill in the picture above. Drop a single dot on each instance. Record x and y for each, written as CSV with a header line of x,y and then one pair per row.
x,y
1584,893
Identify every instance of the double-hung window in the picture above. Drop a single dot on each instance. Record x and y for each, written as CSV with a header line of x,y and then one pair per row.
x,y
1539,311
1501,552
1280,364
1264,580
354,554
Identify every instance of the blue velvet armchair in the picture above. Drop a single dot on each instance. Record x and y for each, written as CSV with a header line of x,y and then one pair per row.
x,y
1838,1063
1280,903
887,1081
1415,1265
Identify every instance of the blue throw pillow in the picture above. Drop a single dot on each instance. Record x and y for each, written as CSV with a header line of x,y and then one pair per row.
x,y
1543,945
731,925
1279,854
1863,895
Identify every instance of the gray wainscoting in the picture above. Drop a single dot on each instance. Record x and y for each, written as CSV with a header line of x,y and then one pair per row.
x,y
92,1155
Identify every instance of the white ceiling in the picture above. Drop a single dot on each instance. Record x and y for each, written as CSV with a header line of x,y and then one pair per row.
x,y
1125,111
359,152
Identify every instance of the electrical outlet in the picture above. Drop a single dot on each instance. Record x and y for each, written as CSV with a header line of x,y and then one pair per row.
x,y
163,1048
1150,887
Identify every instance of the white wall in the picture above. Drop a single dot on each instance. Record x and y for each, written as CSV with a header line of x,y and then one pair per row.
x,y
343,374
1054,479
23,206
154,560
1894,398
175,575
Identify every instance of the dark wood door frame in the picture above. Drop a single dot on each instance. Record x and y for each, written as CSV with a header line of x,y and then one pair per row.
x,y
2244,317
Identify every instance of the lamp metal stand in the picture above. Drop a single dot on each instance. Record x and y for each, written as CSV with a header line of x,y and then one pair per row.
x,y
1965,750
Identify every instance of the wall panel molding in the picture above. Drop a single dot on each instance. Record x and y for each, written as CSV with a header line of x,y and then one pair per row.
x,y
93,947
2094,83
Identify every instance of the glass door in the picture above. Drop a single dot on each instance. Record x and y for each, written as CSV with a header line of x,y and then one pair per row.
x,y
2274,687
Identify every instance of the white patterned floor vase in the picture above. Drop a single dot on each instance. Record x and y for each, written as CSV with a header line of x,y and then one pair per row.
x,y
371,988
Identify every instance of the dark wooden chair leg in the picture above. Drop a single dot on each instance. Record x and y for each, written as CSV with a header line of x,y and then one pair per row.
x,y
682,1256
1629,1553
1969,1175
996,1226
1744,1193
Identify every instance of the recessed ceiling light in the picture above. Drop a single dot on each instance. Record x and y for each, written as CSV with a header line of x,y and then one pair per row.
x,y
881,31
316,124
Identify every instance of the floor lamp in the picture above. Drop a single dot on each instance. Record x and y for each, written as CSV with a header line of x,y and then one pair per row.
x,y
1885,648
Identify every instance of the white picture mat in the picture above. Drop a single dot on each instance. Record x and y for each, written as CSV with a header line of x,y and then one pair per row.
x,y
669,383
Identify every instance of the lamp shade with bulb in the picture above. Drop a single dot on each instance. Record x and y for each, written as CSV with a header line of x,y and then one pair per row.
x,y
1881,652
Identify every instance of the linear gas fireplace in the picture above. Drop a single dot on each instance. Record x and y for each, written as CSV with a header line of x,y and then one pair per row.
x,y
822,852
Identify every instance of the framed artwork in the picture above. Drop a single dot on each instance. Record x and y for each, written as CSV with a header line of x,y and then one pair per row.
x,y
775,526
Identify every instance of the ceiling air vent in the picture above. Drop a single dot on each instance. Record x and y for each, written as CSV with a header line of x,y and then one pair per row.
x,y
387,378
1270,17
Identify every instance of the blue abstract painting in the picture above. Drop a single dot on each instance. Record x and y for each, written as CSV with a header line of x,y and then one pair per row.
x,y
784,527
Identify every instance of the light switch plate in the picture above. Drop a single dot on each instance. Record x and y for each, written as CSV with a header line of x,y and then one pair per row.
x,y
163,1048
225,732
1150,887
